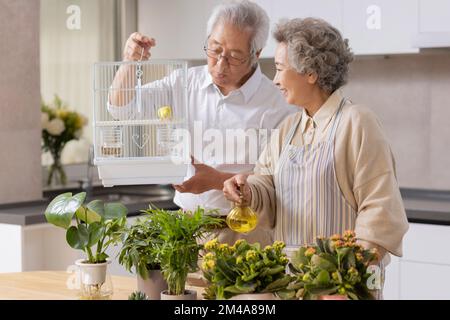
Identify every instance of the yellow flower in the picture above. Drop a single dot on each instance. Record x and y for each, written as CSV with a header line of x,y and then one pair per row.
x,y
267,248
359,256
62,113
349,234
238,242
338,243
209,255
335,237
208,264
284,260
310,252
239,260
251,254
278,245
212,244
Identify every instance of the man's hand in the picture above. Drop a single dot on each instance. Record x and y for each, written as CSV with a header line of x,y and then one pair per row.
x,y
206,178
138,47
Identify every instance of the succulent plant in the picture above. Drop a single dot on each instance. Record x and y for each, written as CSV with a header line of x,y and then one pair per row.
x,y
137,295
333,266
243,268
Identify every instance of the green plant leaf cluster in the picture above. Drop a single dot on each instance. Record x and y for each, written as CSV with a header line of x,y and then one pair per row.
x,y
178,252
97,224
243,268
141,246
335,265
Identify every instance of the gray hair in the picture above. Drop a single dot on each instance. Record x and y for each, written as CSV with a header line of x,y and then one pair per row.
x,y
246,15
314,46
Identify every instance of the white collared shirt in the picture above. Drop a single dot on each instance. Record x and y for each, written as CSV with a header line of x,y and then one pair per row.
x,y
257,104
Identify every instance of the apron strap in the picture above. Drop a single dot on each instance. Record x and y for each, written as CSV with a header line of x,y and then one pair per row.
x,y
291,133
337,118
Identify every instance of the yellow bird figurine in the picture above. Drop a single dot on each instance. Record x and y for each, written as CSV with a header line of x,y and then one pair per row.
x,y
165,113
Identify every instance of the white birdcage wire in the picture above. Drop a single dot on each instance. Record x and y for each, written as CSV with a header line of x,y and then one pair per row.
x,y
136,121
142,132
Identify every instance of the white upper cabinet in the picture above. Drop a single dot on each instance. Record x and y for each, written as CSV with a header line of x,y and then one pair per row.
x,y
329,10
372,26
380,26
434,16
434,24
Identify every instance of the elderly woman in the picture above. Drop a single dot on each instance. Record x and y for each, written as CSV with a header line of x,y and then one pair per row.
x,y
330,169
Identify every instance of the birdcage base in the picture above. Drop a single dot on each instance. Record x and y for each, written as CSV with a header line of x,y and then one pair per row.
x,y
134,172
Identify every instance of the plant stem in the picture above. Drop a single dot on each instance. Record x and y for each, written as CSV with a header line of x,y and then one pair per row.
x,y
90,256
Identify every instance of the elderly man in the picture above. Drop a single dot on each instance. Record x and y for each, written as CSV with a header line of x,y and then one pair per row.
x,y
230,92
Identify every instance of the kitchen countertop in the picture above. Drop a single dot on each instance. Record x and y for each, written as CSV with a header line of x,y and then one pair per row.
x,y
135,198
422,206
52,285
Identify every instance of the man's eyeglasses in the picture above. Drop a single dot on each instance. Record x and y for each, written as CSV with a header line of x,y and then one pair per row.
x,y
234,59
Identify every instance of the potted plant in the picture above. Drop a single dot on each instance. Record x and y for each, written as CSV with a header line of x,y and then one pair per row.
x,y
97,226
179,250
333,268
140,251
244,271
59,126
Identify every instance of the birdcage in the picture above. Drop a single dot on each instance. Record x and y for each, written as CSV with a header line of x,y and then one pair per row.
x,y
140,118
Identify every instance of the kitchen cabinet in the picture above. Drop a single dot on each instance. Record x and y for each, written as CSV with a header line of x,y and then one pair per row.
x,y
434,16
373,27
380,26
329,10
422,272
434,24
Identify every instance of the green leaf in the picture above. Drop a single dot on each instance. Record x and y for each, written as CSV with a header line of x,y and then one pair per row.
x,y
299,258
322,264
323,278
277,284
97,207
241,288
115,211
62,209
102,257
286,294
77,238
87,215
95,233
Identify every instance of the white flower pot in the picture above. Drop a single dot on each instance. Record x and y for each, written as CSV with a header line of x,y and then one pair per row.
x,y
152,286
188,295
254,296
92,273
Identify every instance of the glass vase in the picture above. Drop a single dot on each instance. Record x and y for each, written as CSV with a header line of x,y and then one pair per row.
x,y
56,173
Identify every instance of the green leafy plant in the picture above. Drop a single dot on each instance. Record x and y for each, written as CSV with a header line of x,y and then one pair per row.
x,y
137,295
243,268
140,247
179,250
333,266
97,223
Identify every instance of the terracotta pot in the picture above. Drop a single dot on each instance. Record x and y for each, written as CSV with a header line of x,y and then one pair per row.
x,y
188,295
152,286
254,296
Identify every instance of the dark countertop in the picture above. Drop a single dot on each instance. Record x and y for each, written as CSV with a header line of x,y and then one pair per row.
x,y
135,198
422,206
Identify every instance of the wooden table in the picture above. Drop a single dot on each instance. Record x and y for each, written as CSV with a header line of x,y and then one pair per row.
x,y
54,285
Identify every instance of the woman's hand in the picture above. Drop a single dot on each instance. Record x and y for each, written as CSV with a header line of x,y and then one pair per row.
x,y
138,47
233,187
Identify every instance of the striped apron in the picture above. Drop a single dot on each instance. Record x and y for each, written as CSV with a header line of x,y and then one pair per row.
x,y
309,200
